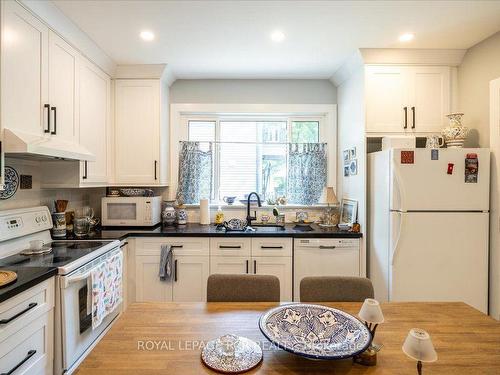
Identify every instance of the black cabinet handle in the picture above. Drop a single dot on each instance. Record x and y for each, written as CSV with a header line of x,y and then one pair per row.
x,y
54,132
156,163
255,266
406,117
30,354
85,170
48,118
175,270
123,245
247,265
229,247
326,247
271,247
413,117
176,246
30,306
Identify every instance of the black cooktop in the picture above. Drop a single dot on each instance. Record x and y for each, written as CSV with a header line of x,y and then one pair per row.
x,y
63,252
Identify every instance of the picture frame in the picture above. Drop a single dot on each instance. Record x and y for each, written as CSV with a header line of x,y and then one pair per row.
x,y
346,170
346,155
352,153
353,167
348,211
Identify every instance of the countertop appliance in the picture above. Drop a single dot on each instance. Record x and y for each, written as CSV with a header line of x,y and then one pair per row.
x,y
74,336
324,257
428,225
130,211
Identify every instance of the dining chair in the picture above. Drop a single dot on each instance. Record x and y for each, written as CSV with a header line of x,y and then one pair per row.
x,y
243,288
335,289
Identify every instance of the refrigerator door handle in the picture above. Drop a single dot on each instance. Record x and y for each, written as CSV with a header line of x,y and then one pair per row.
x,y
396,244
397,188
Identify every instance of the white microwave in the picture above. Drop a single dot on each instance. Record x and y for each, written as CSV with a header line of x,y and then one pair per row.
x,y
130,211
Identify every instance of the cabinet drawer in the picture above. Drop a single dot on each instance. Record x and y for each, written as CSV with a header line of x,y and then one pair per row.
x,y
269,246
230,265
29,304
231,246
182,245
31,348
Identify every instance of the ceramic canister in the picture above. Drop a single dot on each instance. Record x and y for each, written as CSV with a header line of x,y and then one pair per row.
x,y
181,216
168,215
59,228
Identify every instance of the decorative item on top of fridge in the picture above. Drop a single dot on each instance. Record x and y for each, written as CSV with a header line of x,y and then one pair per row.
x,y
455,133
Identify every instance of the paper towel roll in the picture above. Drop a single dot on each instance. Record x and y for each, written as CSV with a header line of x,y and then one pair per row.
x,y
204,212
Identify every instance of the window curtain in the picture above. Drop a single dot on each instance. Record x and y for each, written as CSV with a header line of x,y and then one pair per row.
x,y
195,173
307,172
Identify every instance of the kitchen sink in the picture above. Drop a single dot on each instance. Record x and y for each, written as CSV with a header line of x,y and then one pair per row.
x,y
268,228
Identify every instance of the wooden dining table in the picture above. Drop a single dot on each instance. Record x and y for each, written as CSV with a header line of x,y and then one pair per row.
x,y
166,338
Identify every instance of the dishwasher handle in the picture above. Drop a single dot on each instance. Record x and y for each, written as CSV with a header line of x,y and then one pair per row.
x,y
325,247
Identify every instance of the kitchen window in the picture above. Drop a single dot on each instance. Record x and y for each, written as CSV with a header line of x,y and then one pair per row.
x,y
250,154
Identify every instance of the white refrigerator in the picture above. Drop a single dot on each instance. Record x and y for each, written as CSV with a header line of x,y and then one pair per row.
x,y
428,225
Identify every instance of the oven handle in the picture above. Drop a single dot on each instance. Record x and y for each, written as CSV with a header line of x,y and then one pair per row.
x,y
86,275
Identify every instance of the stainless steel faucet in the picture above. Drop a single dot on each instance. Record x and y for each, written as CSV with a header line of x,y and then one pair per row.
x,y
250,218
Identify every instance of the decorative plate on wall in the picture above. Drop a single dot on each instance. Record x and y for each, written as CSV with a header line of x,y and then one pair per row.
x,y
11,183
315,331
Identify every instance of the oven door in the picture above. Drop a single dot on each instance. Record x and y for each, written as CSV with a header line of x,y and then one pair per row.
x,y
76,328
123,211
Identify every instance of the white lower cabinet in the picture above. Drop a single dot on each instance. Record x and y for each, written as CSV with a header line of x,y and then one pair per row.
x,y
261,256
26,342
281,267
190,270
190,278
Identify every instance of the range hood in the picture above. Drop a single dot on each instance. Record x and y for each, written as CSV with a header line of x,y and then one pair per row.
x,y
19,144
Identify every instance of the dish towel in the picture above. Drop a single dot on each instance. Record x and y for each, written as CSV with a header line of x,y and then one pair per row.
x,y
166,255
106,279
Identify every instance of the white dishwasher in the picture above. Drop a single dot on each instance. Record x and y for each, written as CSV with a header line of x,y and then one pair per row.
x,y
324,257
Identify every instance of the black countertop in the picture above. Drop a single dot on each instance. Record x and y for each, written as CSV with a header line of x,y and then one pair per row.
x,y
26,278
198,230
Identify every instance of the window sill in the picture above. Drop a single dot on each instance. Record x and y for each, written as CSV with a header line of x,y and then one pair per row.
x,y
240,206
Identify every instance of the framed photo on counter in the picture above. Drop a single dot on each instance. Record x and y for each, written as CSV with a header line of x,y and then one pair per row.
x,y
348,211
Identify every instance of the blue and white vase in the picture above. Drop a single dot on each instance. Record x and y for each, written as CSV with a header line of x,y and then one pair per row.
x,y
168,214
182,215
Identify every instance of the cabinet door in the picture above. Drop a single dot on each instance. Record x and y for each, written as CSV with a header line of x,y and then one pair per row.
x,y
94,104
386,99
24,72
229,265
281,267
149,287
137,126
429,92
63,88
190,278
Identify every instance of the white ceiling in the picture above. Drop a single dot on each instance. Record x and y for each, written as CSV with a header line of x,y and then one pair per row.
x,y
231,39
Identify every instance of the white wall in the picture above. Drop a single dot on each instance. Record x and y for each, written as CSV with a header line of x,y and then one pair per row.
x,y
261,91
351,133
480,65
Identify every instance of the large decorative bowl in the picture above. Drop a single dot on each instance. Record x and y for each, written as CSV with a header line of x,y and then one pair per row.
x,y
315,331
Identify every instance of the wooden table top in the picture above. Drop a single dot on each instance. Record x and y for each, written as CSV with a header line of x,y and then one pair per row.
x,y
467,341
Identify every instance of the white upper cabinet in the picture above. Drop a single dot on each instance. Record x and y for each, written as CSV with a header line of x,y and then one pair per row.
x,y
429,97
406,99
138,136
63,88
94,123
386,98
24,77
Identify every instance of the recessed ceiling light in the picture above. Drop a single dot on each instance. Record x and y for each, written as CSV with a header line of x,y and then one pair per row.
x,y
277,36
406,37
147,35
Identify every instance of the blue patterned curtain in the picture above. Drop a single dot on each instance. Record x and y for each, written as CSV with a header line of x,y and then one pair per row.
x,y
307,170
195,173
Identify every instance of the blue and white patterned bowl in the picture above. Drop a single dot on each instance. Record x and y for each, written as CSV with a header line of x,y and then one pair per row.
x,y
315,331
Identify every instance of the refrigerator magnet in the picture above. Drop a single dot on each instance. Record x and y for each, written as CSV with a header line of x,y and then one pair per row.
x,y
471,168
434,154
407,157
450,168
